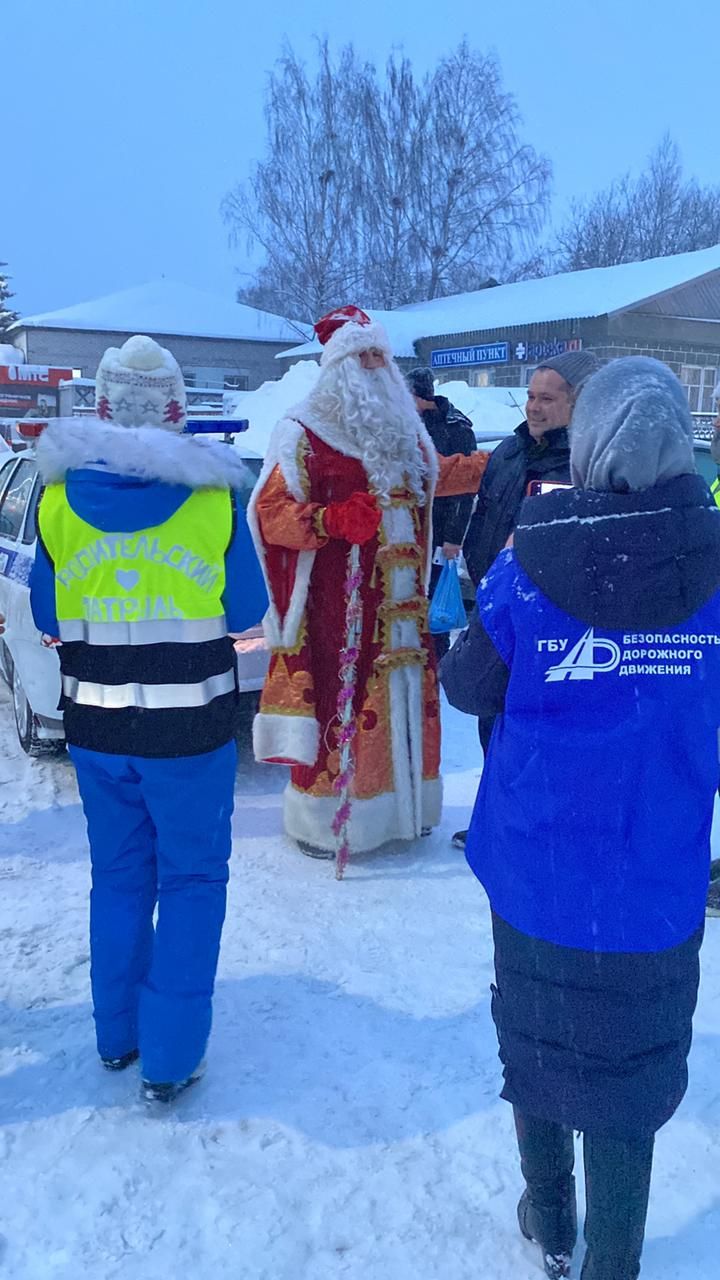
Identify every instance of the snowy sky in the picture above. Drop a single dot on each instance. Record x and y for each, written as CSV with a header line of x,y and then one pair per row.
x,y
126,121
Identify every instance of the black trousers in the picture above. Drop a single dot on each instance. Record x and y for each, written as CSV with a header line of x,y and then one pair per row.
x,y
617,1189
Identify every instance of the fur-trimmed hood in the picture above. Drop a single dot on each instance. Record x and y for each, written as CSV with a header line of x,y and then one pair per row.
x,y
144,453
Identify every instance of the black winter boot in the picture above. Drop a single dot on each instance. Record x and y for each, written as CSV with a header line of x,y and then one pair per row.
x,y
119,1064
617,1186
548,1226
547,1212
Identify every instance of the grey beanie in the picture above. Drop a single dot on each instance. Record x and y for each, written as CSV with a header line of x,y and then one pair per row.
x,y
421,383
573,366
631,428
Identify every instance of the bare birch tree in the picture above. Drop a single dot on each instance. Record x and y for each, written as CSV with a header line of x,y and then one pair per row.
x,y
387,191
298,203
655,214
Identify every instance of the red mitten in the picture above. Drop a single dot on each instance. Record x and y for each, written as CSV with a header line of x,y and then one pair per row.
x,y
355,520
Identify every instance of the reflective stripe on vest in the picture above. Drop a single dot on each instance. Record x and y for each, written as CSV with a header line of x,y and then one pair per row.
x,y
715,490
126,584
151,697
174,631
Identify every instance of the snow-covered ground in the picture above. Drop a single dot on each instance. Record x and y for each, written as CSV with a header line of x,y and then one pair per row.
x,y
349,1126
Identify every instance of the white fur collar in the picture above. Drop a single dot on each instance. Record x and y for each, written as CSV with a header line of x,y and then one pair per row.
x,y
147,452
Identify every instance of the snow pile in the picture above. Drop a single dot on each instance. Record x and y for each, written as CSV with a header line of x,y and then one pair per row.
x,y
493,411
269,403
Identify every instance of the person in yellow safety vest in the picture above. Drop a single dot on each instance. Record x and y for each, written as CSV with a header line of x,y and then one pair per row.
x,y
144,567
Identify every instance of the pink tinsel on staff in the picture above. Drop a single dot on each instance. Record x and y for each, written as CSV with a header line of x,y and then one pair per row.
x,y
345,710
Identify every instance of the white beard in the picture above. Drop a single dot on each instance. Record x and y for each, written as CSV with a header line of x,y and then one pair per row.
x,y
370,415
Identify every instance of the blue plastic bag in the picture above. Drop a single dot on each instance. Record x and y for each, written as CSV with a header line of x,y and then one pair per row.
x,y
447,611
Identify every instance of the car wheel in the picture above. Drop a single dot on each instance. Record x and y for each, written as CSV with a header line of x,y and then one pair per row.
x,y
26,723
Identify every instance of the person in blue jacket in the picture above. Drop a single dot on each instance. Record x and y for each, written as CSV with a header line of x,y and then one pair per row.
x,y
144,567
597,644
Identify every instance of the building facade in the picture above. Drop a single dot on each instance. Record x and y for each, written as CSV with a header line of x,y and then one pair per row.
x,y
219,344
217,363
680,327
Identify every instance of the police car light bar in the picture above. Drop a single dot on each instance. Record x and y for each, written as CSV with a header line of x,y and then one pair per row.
x,y
216,426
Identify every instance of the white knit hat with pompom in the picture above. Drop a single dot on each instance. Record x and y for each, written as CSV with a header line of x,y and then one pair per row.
x,y
140,385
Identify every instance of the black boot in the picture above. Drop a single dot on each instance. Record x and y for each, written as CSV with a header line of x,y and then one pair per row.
x,y
617,1185
169,1091
547,1211
119,1064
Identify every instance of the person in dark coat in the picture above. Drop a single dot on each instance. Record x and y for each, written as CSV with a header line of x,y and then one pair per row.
x,y
451,432
539,449
596,643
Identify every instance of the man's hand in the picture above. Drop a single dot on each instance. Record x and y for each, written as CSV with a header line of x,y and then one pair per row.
x,y
450,551
356,520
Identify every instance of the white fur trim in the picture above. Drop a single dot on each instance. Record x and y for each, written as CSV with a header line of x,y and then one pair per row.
x,y
351,338
284,633
291,738
398,525
403,583
372,822
283,452
70,443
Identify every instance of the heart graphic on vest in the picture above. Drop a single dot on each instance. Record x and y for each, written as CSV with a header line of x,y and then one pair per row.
x,y
127,578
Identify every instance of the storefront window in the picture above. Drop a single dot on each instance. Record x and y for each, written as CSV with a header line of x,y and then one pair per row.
x,y
213,379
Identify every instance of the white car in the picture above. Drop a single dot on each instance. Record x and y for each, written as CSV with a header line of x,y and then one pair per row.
x,y
30,669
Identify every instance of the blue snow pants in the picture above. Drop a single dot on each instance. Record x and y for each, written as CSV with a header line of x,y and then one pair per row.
x,y
159,833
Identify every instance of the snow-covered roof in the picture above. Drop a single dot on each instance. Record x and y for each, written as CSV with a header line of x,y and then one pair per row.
x,y
168,307
574,295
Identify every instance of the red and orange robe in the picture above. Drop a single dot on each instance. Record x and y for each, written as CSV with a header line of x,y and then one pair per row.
x,y
397,789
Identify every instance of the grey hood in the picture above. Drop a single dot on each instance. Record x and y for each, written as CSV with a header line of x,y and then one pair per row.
x,y
631,428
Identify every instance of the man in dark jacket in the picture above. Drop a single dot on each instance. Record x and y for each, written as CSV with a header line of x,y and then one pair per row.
x,y
451,432
591,830
539,449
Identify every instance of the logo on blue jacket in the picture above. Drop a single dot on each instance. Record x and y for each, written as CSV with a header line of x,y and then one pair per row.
x,y
588,656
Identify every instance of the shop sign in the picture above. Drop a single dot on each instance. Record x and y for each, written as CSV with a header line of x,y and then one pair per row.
x,y
484,353
536,352
33,375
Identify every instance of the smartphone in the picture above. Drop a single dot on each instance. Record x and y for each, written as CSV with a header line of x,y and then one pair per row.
x,y
537,487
